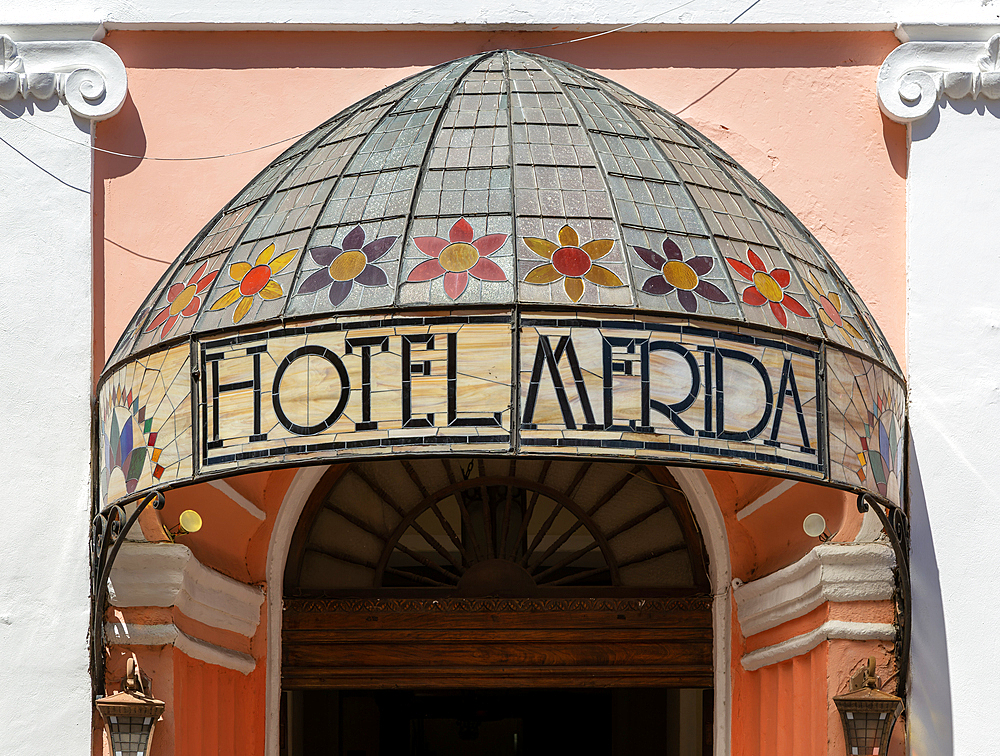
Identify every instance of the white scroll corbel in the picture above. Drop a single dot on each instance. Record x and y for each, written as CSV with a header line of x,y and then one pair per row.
x,y
88,76
917,74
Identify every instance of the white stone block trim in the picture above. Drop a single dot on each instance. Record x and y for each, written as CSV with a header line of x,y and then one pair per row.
x,y
830,572
803,644
170,635
88,76
236,496
767,498
916,75
168,574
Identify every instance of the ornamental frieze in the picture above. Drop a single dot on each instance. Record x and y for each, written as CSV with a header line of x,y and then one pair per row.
x,y
663,389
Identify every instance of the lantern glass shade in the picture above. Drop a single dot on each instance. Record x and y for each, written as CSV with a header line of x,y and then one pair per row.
x,y
130,718
868,717
130,736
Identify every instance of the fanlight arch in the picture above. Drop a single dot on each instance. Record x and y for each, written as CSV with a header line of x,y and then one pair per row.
x,y
474,527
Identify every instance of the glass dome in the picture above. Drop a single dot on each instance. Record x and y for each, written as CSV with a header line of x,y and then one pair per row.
x,y
510,255
497,179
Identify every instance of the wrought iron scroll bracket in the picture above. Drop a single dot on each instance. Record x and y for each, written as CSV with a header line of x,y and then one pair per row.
x,y
896,525
108,530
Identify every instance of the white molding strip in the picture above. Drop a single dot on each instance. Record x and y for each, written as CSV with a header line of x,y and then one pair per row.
x,y
237,497
802,644
830,572
168,574
287,517
708,515
170,635
916,75
88,76
767,498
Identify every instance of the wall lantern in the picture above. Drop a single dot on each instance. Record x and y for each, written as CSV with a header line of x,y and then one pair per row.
x,y
131,715
868,714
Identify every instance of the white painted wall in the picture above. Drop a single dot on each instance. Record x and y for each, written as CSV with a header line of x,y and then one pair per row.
x,y
46,309
569,14
45,367
954,369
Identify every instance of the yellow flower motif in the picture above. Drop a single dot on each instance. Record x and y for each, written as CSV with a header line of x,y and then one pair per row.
x,y
831,308
254,280
572,262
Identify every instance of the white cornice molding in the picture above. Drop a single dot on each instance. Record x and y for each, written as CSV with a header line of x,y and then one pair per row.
x,y
122,634
916,74
803,644
88,77
830,572
168,574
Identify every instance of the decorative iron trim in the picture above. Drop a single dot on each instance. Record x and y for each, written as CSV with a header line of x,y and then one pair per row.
x,y
896,525
108,530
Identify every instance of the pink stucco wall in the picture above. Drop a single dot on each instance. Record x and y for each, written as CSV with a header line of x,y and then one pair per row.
x,y
798,110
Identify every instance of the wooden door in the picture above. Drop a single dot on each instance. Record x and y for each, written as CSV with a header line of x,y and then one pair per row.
x,y
492,643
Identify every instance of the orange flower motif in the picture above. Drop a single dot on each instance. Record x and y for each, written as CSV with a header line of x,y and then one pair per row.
x,y
183,300
830,307
768,287
571,261
254,280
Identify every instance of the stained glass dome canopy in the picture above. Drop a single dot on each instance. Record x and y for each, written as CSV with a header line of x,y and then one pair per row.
x,y
503,254
499,179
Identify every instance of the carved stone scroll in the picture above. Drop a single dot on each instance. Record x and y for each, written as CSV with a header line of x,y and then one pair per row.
x,y
88,76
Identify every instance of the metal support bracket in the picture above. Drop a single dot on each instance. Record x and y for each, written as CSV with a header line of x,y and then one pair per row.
x,y
896,525
107,533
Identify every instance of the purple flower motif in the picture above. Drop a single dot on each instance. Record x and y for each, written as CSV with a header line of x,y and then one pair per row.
x,y
346,266
683,275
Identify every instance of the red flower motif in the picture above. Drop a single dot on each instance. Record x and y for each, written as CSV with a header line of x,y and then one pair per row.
x,y
183,300
768,287
458,257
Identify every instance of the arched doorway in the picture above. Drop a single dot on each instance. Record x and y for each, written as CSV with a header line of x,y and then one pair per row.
x,y
471,605
740,351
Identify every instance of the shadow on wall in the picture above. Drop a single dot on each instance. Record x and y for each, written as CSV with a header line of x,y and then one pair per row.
x,y
925,127
394,49
929,716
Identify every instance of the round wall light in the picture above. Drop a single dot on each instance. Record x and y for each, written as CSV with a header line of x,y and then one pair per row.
x,y
188,522
815,527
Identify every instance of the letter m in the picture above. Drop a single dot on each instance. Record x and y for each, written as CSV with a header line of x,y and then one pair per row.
x,y
545,355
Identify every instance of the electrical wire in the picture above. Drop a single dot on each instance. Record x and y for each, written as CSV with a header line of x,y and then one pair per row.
x,y
612,31
299,136
147,157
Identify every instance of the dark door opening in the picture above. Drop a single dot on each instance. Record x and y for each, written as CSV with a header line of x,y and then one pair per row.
x,y
505,722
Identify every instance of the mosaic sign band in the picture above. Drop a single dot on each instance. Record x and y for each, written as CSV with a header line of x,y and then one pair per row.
x,y
665,389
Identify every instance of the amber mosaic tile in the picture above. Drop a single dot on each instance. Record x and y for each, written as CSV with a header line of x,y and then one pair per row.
x,y
867,411
145,424
353,385
679,389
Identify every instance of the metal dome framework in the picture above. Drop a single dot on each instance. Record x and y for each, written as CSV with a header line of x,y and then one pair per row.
x,y
515,235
